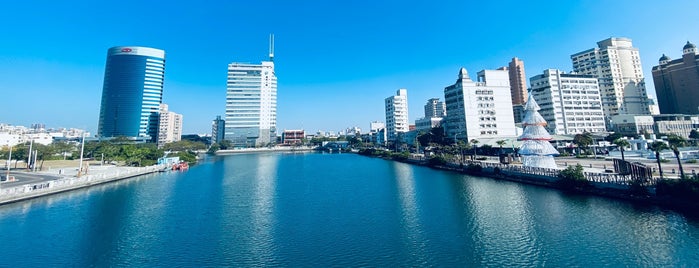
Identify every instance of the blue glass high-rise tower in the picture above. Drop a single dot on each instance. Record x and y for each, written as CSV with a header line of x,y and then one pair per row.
x,y
132,93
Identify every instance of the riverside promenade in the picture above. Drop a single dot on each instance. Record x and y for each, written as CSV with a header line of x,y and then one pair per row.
x,y
66,179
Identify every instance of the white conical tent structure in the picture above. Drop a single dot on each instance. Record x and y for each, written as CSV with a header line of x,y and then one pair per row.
x,y
536,150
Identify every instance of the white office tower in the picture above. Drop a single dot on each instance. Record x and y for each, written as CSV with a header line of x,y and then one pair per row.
x,y
617,66
251,103
479,109
536,150
396,114
570,103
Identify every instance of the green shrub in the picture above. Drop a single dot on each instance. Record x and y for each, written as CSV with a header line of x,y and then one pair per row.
x,y
474,168
684,189
691,161
402,156
187,156
436,161
573,177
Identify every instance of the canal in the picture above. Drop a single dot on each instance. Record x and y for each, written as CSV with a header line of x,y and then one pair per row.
x,y
319,210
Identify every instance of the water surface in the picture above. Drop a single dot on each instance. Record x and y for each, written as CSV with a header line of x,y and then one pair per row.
x,y
322,210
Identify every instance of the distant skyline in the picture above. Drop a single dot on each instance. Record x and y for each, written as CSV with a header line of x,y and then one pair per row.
x,y
336,62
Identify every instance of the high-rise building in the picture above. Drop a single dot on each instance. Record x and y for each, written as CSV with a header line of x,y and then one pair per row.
x,y
481,108
570,103
170,126
617,66
132,93
518,87
434,113
677,82
251,103
218,129
518,81
435,108
397,114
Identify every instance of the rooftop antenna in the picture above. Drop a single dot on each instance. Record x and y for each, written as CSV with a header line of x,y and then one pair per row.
x,y
271,47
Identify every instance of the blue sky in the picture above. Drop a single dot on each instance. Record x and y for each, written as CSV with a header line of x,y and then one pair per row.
x,y
336,61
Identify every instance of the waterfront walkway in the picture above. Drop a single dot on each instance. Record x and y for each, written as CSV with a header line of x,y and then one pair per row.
x,y
65,179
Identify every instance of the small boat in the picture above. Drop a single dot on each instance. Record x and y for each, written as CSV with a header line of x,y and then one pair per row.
x,y
180,166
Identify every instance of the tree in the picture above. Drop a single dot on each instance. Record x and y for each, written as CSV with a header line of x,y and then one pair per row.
x,y
43,152
462,147
63,148
622,143
612,137
501,143
435,135
657,147
20,152
694,135
676,142
583,141
184,145
225,144
475,148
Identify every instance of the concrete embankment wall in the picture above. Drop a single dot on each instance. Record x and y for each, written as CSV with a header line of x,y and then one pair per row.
x,y
28,191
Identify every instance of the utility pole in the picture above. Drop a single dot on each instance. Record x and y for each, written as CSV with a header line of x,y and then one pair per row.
x,y
36,152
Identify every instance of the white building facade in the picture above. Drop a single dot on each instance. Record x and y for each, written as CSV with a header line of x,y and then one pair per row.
x,y
570,103
479,109
251,104
170,127
434,114
396,114
435,108
376,126
617,66
426,124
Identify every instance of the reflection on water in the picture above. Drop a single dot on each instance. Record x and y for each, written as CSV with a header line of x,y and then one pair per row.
x,y
263,207
504,227
326,210
410,211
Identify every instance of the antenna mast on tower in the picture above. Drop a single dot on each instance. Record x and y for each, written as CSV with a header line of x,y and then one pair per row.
x,y
271,47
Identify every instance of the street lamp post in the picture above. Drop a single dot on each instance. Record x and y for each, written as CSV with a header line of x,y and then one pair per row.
x,y
29,155
82,148
9,161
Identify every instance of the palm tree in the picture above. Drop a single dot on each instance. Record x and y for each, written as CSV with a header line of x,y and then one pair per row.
x,y
475,148
657,147
501,143
675,143
622,143
462,146
583,140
